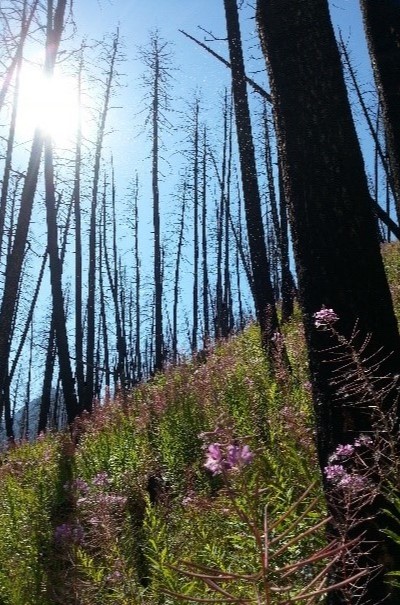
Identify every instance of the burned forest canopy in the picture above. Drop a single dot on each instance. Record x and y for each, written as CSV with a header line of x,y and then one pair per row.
x,y
144,208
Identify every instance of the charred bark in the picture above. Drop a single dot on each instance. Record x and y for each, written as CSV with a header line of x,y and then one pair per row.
x,y
16,257
264,296
382,27
334,232
91,307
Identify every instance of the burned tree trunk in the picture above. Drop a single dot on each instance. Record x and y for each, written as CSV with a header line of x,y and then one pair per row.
x,y
16,256
334,232
382,26
204,242
91,307
60,326
80,377
262,287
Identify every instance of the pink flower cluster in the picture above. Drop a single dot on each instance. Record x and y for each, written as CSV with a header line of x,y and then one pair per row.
x,y
221,458
77,486
101,480
334,472
338,475
346,451
363,440
68,532
325,317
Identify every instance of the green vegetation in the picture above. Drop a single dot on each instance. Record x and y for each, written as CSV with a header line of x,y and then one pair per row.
x,y
125,512
102,521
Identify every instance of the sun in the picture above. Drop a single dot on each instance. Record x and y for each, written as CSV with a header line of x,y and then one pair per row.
x,y
51,104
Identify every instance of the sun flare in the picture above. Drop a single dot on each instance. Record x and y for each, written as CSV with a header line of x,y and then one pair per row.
x,y
51,104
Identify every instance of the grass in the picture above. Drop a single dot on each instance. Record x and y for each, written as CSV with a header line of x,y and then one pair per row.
x,y
113,518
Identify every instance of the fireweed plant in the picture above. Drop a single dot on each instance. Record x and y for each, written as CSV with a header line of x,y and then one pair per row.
x,y
360,471
97,541
354,484
156,503
292,566
358,379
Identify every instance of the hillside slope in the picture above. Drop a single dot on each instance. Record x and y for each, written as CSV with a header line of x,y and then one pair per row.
x,y
112,514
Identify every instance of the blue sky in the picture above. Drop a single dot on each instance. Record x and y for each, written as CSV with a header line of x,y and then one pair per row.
x,y
136,17
196,71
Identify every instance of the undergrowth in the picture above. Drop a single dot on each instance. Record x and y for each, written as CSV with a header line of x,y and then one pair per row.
x,y
125,512
103,520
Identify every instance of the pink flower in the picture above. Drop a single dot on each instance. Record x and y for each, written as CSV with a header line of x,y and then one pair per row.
x,y
68,532
214,462
227,458
334,472
239,456
352,483
363,440
325,317
114,500
77,485
101,479
114,577
344,451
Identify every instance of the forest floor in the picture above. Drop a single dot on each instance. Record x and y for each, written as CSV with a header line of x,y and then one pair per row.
x,y
176,491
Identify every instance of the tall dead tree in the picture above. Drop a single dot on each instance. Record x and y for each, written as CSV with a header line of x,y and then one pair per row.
x,y
138,355
220,215
60,325
279,219
227,315
334,231
16,257
177,274
239,245
196,175
204,246
80,379
158,285
157,58
51,349
103,327
48,373
382,27
262,287
25,428
91,307
114,277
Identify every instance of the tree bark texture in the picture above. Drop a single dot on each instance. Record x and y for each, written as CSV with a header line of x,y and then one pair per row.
x,y
264,297
158,285
334,232
91,299
382,27
59,315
